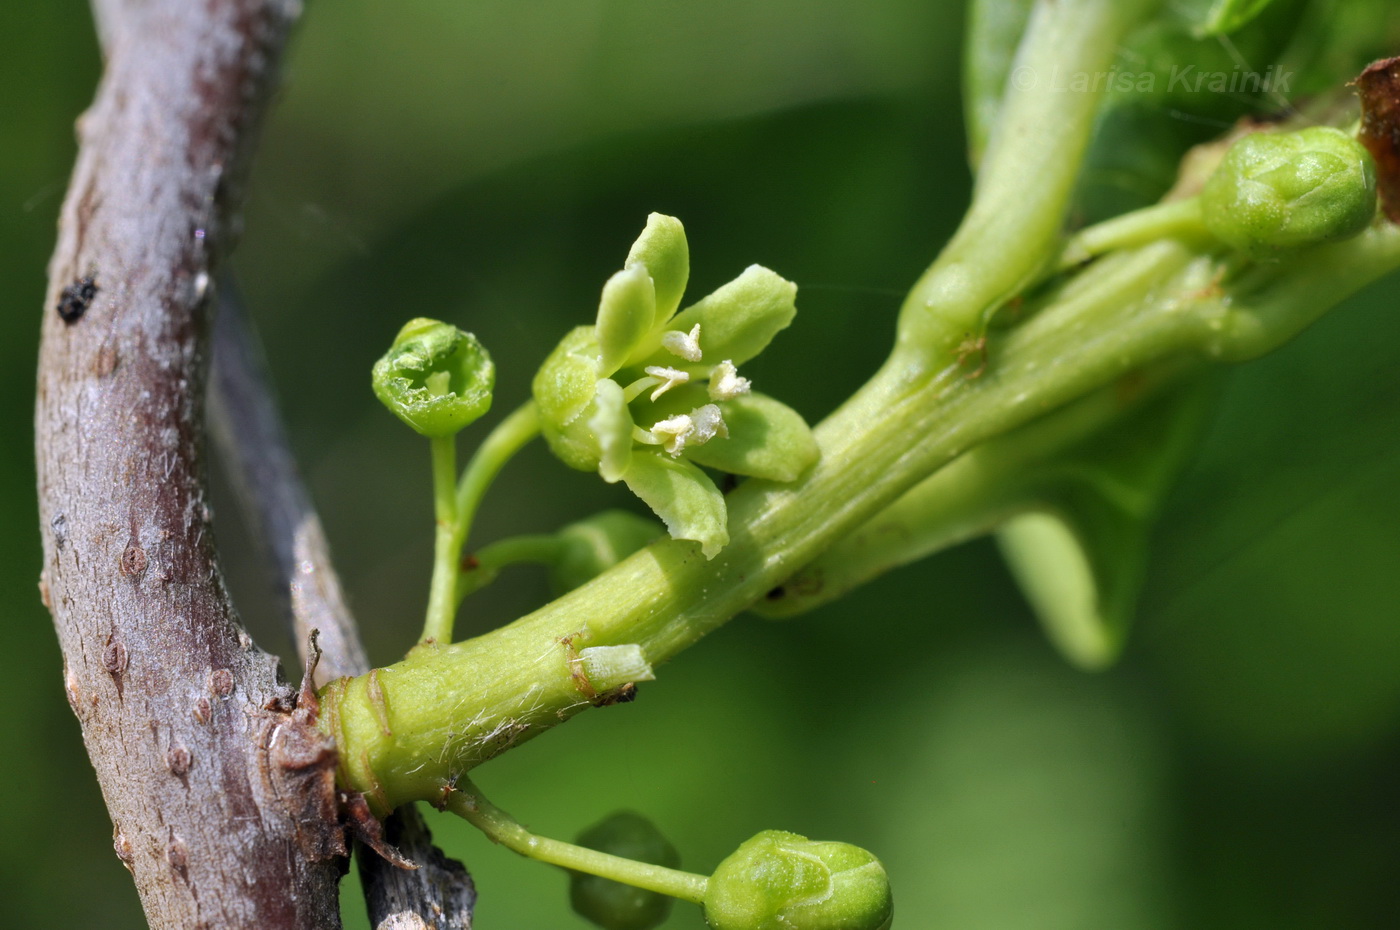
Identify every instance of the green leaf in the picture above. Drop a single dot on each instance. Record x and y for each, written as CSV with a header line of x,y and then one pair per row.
x,y
435,377
1079,552
663,250
1226,16
994,31
739,319
626,313
685,499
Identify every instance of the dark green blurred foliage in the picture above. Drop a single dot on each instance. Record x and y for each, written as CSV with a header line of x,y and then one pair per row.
x,y
614,905
485,164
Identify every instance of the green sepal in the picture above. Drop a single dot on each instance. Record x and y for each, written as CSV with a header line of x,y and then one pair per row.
x,y
613,905
1079,550
626,313
610,425
593,545
767,438
663,250
683,496
779,880
1281,190
738,320
435,377
1225,16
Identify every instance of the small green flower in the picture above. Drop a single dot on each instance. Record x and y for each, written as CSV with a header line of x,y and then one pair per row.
x,y
781,881
611,904
435,377
647,394
1280,190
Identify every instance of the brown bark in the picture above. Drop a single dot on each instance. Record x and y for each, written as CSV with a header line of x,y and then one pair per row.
x,y
251,441
220,792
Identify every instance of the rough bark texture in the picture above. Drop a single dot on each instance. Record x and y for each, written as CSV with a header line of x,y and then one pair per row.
x,y
221,793
439,894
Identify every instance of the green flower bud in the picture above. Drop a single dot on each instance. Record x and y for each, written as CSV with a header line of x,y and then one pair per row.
x,y
614,905
778,881
435,377
592,546
1284,190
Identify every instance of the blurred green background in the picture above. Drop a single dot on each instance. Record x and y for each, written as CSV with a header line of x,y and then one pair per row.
x,y
488,163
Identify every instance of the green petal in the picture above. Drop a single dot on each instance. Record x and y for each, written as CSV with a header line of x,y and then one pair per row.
x,y
663,250
739,320
685,499
611,426
767,438
625,315
435,377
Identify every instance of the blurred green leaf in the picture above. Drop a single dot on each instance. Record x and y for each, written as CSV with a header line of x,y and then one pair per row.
x,y
1226,16
994,29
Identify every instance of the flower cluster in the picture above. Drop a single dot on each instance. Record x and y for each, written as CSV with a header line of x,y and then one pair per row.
x,y
646,394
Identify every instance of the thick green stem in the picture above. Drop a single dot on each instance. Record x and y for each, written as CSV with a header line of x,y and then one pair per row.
x,y
969,497
467,802
422,723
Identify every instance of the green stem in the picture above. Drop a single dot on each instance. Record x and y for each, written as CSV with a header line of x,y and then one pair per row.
x,y
504,441
969,497
488,561
467,802
456,505
1012,228
425,721
441,592
1174,218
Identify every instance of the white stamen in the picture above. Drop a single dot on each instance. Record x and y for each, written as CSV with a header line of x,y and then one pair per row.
x,y
686,345
709,423
673,432
670,377
725,383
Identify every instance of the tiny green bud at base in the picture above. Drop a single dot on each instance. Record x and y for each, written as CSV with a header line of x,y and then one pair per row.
x,y
781,881
435,377
611,904
1285,190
